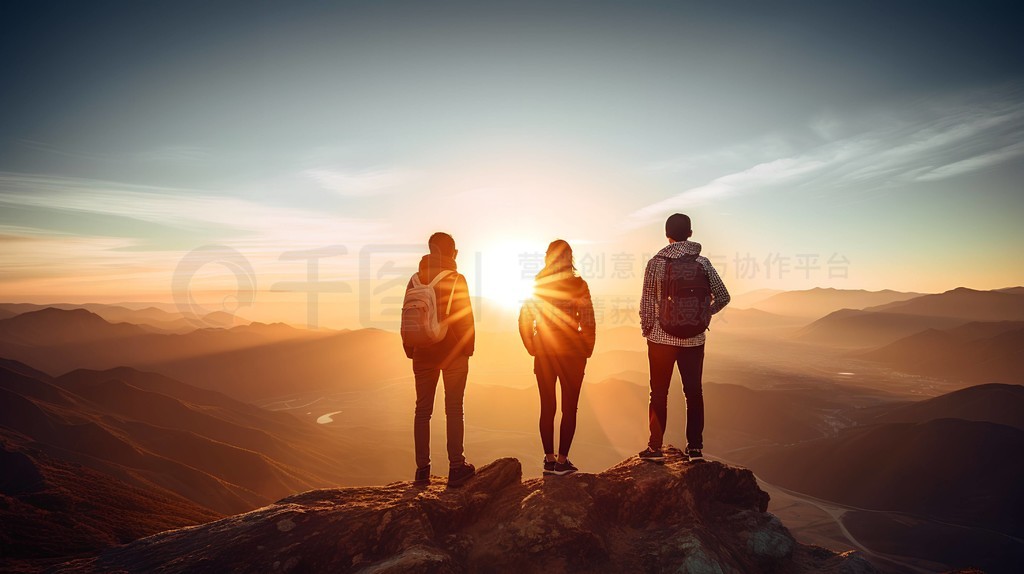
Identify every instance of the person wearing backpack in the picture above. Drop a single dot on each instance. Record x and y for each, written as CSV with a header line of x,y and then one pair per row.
x,y
438,335
558,329
681,292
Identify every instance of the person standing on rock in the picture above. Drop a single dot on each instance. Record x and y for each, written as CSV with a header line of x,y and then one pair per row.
x,y
558,329
681,291
438,334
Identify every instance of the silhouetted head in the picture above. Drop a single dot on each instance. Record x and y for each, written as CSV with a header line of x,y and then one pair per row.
x,y
677,227
441,243
558,259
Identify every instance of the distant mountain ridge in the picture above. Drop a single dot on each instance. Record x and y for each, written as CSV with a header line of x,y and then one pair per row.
x,y
996,403
59,340
858,328
148,317
962,303
975,352
50,327
818,302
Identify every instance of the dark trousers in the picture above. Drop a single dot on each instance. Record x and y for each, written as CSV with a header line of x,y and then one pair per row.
x,y
427,374
690,360
568,372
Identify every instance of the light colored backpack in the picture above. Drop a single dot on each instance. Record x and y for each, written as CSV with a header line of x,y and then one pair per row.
x,y
420,325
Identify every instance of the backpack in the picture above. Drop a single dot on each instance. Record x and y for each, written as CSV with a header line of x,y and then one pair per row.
x,y
685,305
420,325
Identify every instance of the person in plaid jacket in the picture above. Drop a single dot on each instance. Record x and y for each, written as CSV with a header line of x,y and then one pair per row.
x,y
665,351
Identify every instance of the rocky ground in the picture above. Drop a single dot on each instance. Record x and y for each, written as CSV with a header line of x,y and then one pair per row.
x,y
634,517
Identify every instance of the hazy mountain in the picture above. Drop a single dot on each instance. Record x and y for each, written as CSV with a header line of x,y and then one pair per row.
x,y
151,317
635,517
994,403
962,303
985,329
967,353
818,302
328,362
52,327
855,328
1012,290
955,470
730,319
752,298
162,435
58,340
52,508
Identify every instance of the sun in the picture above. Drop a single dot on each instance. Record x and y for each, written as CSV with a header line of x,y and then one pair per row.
x,y
507,270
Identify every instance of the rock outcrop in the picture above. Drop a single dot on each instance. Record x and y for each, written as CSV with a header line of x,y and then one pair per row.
x,y
635,517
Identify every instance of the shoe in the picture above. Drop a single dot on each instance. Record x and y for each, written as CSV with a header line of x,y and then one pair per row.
x,y
422,476
653,454
564,468
549,466
694,454
460,474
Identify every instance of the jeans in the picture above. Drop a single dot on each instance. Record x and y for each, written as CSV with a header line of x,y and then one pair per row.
x,y
568,371
663,359
427,373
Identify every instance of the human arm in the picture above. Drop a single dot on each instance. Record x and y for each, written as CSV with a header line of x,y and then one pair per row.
x,y
461,317
649,298
719,294
526,326
588,325
407,348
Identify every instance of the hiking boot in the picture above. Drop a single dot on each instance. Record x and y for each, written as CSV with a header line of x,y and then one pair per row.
x,y
422,476
549,466
457,476
694,454
564,468
652,454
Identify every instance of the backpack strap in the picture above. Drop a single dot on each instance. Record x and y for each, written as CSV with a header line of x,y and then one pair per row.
x,y
451,297
438,277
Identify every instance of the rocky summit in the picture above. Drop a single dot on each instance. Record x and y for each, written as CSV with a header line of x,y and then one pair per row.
x,y
637,516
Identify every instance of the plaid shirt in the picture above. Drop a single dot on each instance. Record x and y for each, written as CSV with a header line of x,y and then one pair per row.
x,y
653,276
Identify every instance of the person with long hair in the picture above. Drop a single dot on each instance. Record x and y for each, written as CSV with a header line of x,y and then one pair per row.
x,y
558,329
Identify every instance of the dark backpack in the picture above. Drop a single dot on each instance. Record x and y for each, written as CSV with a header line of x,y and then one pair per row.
x,y
685,305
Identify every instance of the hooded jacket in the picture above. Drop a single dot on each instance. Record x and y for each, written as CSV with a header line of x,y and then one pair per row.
x,y
461,336
559,318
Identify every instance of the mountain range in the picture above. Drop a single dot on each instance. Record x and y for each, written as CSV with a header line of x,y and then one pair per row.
x,y
869,406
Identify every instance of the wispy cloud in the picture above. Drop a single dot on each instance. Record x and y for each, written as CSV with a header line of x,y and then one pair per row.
x,y
360,183
63,261
916,144
242,222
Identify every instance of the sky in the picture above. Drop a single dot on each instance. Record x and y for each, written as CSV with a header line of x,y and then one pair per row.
x,y
231,153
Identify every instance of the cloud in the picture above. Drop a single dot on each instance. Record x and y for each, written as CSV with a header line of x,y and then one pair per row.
x,y
359,183
63,259
241,221
975,163
926,142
